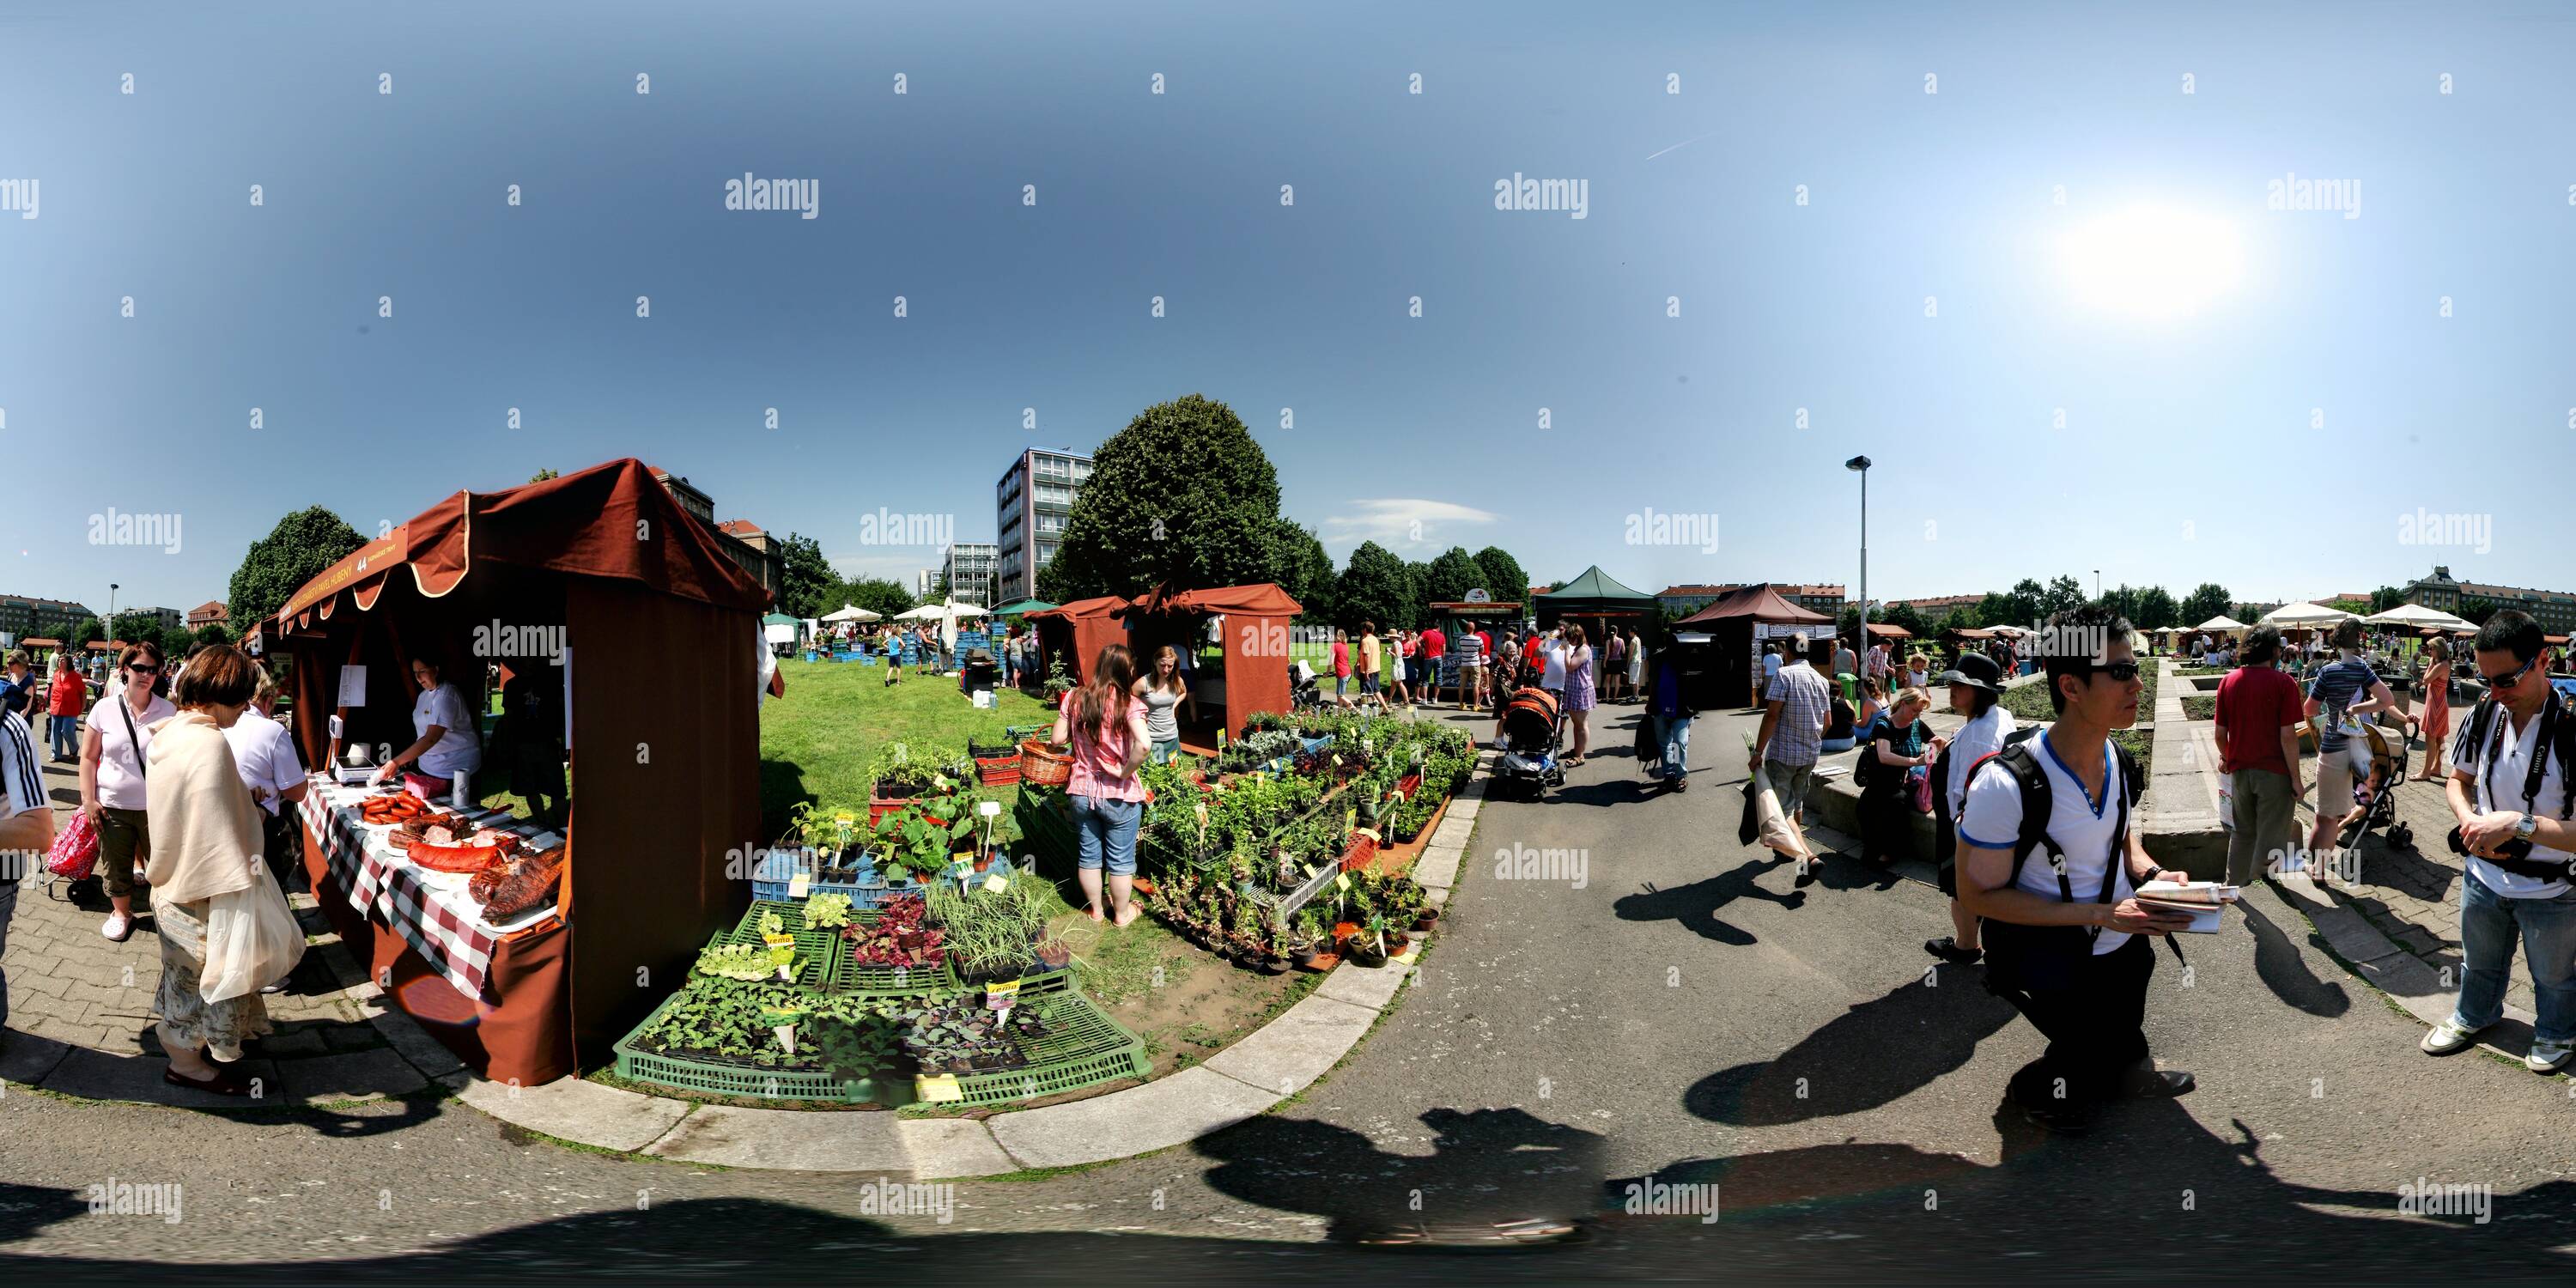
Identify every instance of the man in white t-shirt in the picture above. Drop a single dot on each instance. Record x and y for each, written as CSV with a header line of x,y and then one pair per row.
x,y
1975,692
2065,938
269,767
26,827
2519,838
1552,654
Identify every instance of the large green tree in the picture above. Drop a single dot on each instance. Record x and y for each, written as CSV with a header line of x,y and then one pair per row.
x,y
1375,588
1302,568
1450,575
2063,593
2157,610
2478,608
2018,606
806,579
89,631
1505,579
277,565
875,594
2206,600
1183,497
2385,598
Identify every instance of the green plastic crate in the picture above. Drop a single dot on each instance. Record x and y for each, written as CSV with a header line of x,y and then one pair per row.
x,y
1084,1049
890,981
821,955
745,1081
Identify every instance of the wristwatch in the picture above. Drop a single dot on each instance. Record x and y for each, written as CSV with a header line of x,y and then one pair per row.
x,y
2527,828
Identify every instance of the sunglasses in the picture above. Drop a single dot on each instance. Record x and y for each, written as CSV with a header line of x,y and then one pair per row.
x,y
2512,677
2122,672
143,668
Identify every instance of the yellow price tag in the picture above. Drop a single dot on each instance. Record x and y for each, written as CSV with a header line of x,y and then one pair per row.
x,y
995,883
999,997
846,820
799,885
776,940
938,1088
1342,881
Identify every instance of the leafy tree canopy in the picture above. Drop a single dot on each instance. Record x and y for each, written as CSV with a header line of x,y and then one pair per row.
x,y
1374,587
1504,578
1183,497
277,565
806,579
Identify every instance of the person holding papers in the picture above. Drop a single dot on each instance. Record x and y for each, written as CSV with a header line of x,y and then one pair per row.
x,y
2047,858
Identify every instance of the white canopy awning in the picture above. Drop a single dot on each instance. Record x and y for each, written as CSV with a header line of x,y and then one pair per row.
x,y
2222,622
852,613
2419,615
2300,615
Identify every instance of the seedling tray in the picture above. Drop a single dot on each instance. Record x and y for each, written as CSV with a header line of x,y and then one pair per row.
x,y
710,1076
1083,1048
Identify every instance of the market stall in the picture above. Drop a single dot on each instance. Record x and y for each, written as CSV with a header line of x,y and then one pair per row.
x,y
573,589
1598,602
1249,674
1073,634
1737,626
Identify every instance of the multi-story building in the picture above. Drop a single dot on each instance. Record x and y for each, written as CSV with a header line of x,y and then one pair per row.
x,y
923,581
210,613
1935,607
2554,609
1690,599
1031,504
968,566
741,539
25,616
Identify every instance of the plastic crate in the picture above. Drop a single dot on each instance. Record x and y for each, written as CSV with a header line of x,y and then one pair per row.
x,y
771,881
893,981
726,1078
1084,1048
820,954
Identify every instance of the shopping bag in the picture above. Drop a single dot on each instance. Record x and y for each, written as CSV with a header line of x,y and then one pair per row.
x,y
252,940
1776,830
75,852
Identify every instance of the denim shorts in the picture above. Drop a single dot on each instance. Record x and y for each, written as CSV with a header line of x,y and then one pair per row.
x,y
1107,832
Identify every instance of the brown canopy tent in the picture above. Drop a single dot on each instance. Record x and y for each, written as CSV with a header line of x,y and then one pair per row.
x,y
1253,673
607,563
1889,631
1737,624
1076,632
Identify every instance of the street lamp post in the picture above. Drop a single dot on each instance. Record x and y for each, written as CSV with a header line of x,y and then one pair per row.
x,y
1860,465
2097,583
110,623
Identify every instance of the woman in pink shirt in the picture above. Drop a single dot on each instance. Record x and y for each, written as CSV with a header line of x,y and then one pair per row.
x,y
1106,725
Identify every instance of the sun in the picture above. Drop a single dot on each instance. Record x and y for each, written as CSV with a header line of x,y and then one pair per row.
x,y
2151,263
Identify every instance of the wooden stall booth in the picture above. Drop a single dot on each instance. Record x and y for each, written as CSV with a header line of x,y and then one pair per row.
x,y
1248,672
595,589
1737,625
1075,633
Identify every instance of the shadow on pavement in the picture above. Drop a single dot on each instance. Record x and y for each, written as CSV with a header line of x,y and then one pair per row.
x,y
1695,905
2278,963
1487,1166
1877,1052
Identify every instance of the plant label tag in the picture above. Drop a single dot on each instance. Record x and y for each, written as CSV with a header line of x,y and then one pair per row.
x,y
995,883
775,940
845,820
1000,997
1314,869
938,1088
1341,881
799,885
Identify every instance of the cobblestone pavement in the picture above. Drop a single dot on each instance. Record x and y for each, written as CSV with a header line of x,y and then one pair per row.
x,y
71,985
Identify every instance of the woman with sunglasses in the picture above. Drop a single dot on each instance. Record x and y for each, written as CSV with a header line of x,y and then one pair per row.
x,y
112,779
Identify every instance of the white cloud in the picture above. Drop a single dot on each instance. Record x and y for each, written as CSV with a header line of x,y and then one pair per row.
x,y
1393,521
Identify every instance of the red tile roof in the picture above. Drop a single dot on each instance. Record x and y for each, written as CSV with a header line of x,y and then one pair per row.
x,y
739,528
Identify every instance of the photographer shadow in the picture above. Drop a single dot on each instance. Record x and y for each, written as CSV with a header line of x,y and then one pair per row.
x,y
1874,1053
1695,905
1487,1167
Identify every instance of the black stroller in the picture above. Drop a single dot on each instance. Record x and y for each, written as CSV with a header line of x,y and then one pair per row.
x,y
1532,735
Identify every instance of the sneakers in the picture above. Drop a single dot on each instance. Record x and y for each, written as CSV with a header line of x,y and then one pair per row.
x,y
1947,949
118,927
2547,1057
2148,1081
2448,1037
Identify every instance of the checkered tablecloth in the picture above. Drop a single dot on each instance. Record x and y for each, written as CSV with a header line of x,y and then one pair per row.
x,y
445,927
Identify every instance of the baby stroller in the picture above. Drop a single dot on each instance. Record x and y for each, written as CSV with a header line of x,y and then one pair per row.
x,y
1532,734
2374,791
1304,693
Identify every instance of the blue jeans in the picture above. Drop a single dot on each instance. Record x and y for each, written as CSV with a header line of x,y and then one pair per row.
x,y
8,910
1674,731
2489,923
1831,745
66,737
1107,831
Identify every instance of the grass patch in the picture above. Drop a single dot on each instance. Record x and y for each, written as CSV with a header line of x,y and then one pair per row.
x,y
2200,708
2029,705
815,742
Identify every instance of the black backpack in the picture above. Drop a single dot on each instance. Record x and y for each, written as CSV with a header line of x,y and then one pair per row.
x,y
1945,825
2023,957
2558,726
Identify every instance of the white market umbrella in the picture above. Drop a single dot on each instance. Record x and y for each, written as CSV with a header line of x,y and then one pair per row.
x,y
852,613
2419,615
925,613
2222,622
2306,615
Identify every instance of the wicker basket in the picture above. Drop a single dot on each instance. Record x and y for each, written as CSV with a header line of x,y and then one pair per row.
x,y
1043,767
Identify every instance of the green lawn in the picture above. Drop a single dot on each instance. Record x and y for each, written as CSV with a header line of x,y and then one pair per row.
x,y
2029,705
815,743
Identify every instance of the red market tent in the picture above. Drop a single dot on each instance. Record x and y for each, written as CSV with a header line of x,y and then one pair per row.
x,y
607,565
1256,658
1737,624
1076,632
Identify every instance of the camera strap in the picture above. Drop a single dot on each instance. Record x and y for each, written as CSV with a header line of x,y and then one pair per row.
x,y
2544,744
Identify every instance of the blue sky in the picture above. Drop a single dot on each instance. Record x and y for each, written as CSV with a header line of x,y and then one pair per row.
x,y
2188,452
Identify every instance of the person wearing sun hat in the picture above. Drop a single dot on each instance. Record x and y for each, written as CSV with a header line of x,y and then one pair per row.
x,y
1976,692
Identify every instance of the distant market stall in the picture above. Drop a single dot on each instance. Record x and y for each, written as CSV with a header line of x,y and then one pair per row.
x,y
570,594
1738,624
1596,601
1247,675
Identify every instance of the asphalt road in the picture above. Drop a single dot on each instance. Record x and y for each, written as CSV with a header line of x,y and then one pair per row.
x,y
1681,1016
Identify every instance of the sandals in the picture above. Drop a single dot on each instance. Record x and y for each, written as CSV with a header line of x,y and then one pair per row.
x,y
226,1082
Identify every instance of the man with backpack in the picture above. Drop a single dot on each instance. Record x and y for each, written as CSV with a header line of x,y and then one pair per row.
x,y
2513,790
2049,862
1975,692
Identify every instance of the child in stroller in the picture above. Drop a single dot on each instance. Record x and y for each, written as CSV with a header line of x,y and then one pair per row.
x,y
1532,734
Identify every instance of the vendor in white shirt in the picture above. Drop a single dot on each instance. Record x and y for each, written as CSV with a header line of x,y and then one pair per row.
x,y
448,744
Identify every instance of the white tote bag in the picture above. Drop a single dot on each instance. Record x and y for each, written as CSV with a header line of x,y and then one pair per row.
x,y
252,940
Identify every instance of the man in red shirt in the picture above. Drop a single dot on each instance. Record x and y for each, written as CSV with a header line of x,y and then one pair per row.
x,y
2259,708
1434,646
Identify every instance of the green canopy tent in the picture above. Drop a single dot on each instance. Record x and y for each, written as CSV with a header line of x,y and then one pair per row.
x,y
1598,603
1018,607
